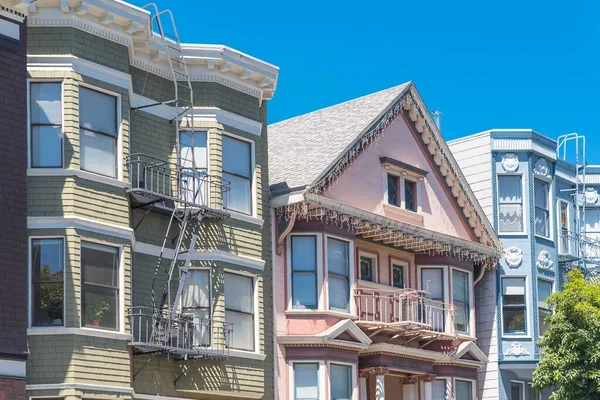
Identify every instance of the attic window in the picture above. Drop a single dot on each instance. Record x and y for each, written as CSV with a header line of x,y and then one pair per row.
x,y
403,184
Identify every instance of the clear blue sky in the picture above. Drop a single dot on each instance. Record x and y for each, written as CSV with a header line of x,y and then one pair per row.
x,y
506,64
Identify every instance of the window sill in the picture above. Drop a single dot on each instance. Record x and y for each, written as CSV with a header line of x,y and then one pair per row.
x,y
247,354
246,218
543,237
515,336
78,173
397,211
77,331
317,313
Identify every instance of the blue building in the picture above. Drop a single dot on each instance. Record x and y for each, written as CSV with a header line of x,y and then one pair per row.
x,y
542,201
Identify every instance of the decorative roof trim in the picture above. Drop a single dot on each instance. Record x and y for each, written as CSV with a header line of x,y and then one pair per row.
x,y
438,358
402,165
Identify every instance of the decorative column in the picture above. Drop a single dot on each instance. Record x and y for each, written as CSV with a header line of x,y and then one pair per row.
x,y
380,373
428,386
409,388
362,384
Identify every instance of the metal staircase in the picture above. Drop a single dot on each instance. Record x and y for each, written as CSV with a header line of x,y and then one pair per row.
x,y
189,196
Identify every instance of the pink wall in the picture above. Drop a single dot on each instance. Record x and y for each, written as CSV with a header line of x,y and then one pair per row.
x,y
362,184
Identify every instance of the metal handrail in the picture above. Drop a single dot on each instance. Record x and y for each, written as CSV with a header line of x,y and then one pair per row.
x,y
579,245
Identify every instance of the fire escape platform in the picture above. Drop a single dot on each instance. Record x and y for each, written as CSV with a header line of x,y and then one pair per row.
x,y
164,204
176,352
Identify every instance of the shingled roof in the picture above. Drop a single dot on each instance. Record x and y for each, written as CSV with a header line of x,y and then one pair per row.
x,y
302,148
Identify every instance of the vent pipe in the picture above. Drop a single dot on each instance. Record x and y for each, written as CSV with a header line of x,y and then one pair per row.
x,y
437,118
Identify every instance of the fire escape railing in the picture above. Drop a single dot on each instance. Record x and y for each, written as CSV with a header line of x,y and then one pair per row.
x,y
577,246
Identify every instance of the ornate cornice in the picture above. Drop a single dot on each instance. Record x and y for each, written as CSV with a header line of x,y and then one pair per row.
x,y
364,373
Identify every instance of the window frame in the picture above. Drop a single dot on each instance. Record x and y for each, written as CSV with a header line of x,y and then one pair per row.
x,y
402,177
251,178
118,133
30,281
560,202
293,379
322,376
548,185
374,257
445,292
387,189
471,323
537,392
524,205
527,293
405,266
415,183
30,124
255,306
523,387
473,387
320,272
541,307
292,272
210,299
120,304
207,189
353,375
351,278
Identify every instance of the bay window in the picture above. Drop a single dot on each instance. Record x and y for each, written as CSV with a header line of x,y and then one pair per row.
x,y
510,200
514,313
237,173
338,268
306,381
463,390
542,208
304,272
340,380
47,282
98,132
45,114
239,310
196,300
461,301
544,291
100,285
194,165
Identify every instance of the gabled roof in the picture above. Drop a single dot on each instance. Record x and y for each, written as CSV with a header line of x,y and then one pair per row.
x,y
301,148
330,337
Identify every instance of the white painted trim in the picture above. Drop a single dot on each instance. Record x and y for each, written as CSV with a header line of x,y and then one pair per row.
x,y
10,29
246,218
472,321
321,378
446,288
227,118
76,222
395,262
560,201
523,389
473,386
351,278
90,176
524,203
256,312
319,272
373,257
285,199
529,307
81,387
354,374
52,331
247,354
17,16
253,178
13,368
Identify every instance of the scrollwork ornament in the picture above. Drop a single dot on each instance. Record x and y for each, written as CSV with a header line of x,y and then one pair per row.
x,y
541,168
517,350
513,257
510,162
591,195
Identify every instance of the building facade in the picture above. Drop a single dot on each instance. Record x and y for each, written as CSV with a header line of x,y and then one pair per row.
x,y
147,215
546,215
378,244
13,235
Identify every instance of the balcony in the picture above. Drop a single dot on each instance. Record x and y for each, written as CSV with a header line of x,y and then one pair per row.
x,y
185,336
155,181
401,311
576,246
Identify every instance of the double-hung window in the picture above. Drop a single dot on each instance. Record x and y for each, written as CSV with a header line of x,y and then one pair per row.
x,y
239,310
45,112
510,199
513,306
193,162
439,390
237,174
306,381
340,380
338,268
432,280
461,301
463,390
544,291
98,132
564,222
196,301
542,208
304,272
47,282
100,285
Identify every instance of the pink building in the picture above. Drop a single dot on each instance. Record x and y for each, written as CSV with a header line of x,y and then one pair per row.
x,y
379,243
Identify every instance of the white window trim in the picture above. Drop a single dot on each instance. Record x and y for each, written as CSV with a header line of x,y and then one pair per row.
x,y
210,296
351,277
538,393
373,257
405,267
569,230
472,322
473,383
121,304
448,322
253,183
257,313
528,311
354,377
523,197
319,255
30,277
537,303
321,374
523,387
119,150
208,169
403,176
449,381
62,115
550,237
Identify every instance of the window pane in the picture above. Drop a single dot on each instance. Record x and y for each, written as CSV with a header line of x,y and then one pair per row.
x,y
511,203
97,111
514,320
392,184
100,306
304,290
193,149
543,326
194,187
46,146
510,189
100,295
47,286
304,253
432,281
243,330
238,196
338,256
338,293
542,223
516,391
239,293
544,290
409,195
398,276
439,390
236,156
460,286
513,286
464,390
306,381
100,265
366,269
97,153
541,194
46,103
532,394
196,293
341,381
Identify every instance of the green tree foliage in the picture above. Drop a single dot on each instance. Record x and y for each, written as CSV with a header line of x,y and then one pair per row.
x,y
570,359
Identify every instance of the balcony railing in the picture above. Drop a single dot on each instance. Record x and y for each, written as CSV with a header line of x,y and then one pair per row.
x,y
185,336
403,309
155,180
574,246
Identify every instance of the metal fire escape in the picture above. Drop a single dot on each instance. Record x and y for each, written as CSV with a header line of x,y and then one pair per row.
x,y
188,195
577,249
